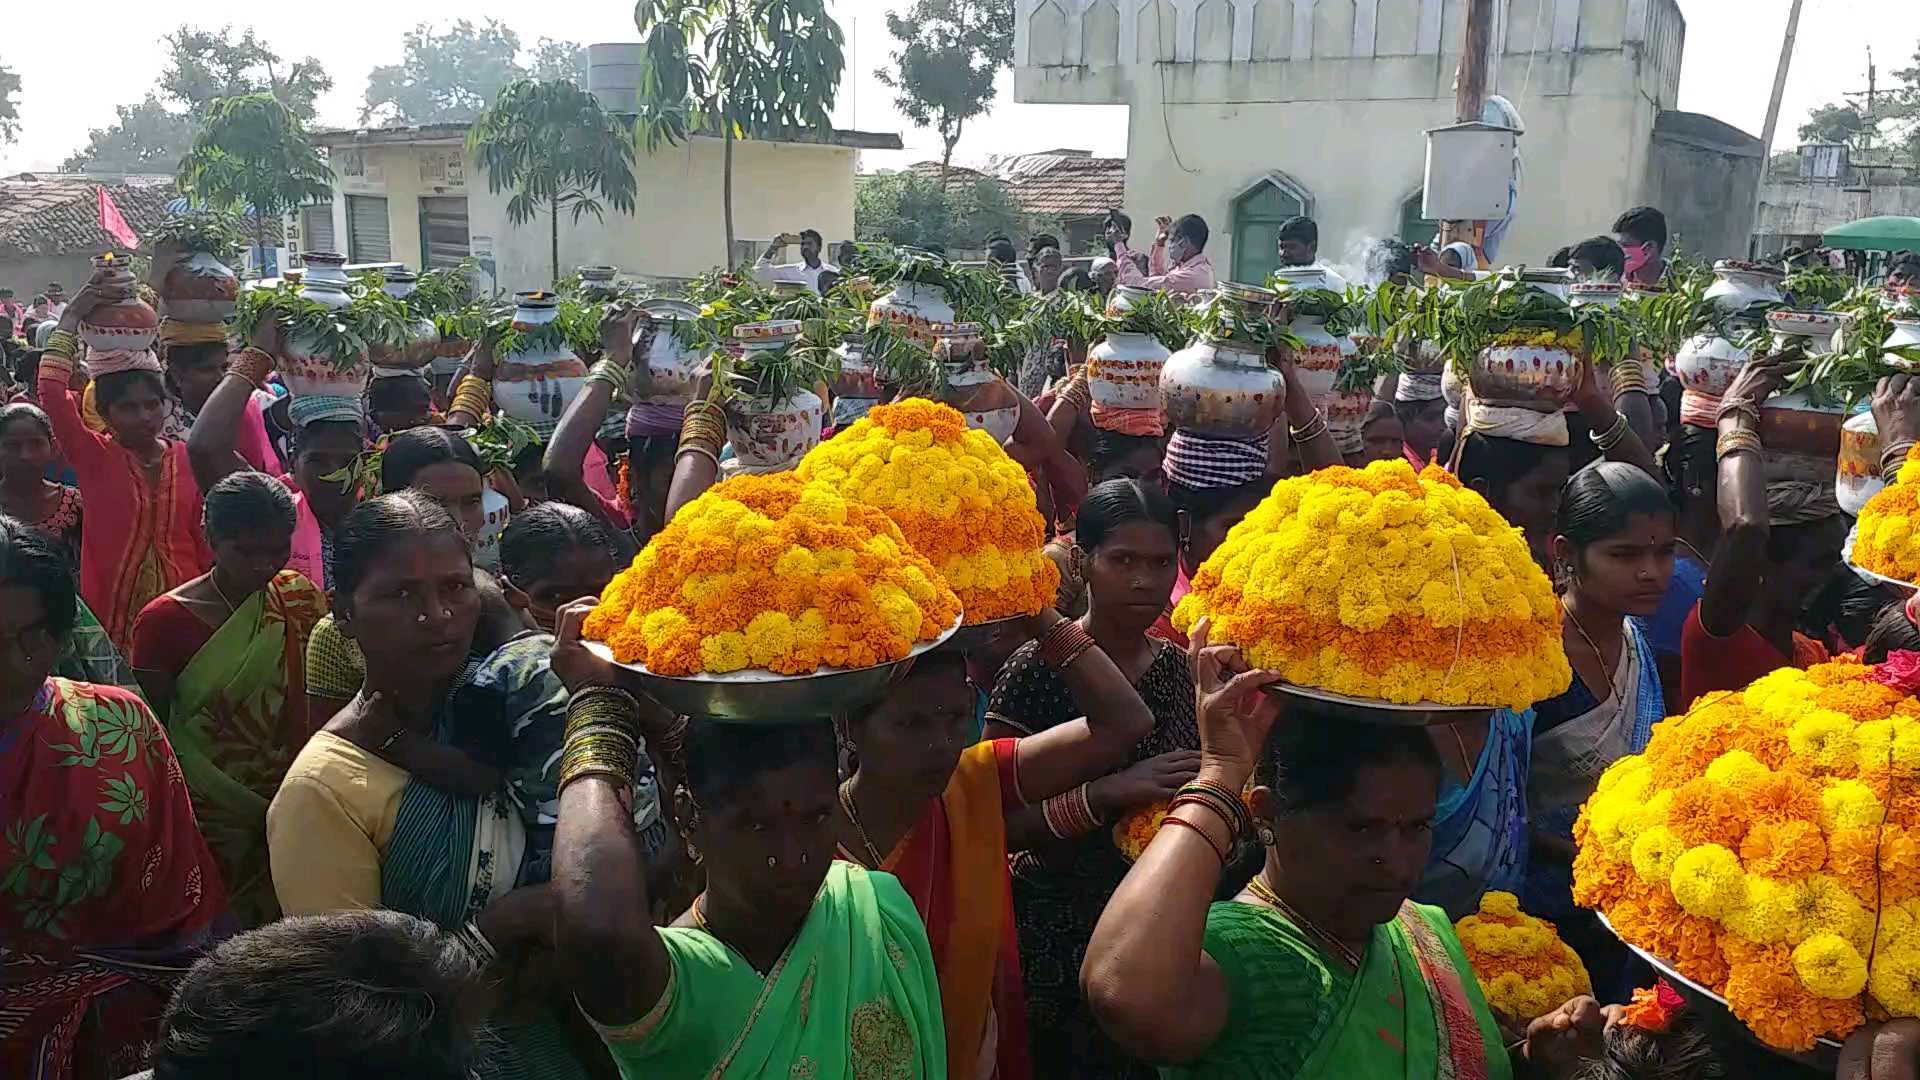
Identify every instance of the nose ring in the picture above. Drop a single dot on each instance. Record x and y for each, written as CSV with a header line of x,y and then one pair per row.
x,y
772,861
420,618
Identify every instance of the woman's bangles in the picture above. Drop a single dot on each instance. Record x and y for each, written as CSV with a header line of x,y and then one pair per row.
x,y
1218,800
1315,427
1891,458
474,396
602,736
1063,643
703,431
476,944
1070,814
251,364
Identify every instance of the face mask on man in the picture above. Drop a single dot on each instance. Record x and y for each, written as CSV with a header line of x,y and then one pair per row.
x,y
1178,249
1638,257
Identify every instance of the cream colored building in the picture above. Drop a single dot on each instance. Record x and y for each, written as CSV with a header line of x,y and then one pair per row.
x,y
1247,111
414,195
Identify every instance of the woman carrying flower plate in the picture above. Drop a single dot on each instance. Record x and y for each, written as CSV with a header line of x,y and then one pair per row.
x,y
1068,864
143,534
931,806
1778,541
1613,549
791,963
1322,967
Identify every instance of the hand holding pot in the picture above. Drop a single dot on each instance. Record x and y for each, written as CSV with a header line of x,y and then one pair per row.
x,y
1762,378
484,360
91,295
1164,228
1896,409
617,332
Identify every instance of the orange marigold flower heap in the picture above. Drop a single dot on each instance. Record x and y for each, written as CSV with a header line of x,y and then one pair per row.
x,y
1766,844
1523,967
771,572
957,497
1387,584
1888,540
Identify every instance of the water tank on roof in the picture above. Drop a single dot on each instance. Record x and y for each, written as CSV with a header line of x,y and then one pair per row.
x,y
613,74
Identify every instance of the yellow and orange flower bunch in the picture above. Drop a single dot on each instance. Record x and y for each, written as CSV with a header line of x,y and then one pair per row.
x,y
1888,542
1524,968
957,497
771,572
1132,834
1386,584
1759,840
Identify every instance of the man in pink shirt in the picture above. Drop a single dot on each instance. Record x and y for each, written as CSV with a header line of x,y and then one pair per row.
x,y
1178,262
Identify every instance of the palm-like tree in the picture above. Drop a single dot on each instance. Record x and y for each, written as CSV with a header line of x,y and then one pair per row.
x,y
554,145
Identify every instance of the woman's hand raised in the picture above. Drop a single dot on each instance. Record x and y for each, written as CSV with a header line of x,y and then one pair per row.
x,y
1235,710
576,666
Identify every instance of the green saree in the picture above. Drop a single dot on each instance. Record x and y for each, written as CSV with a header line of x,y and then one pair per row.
x,y
855,996
1413,1010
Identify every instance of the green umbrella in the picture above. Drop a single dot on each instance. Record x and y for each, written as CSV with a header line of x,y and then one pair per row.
x,y
1877,234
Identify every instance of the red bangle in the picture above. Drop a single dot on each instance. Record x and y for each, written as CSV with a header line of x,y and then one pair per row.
x,y
1203,835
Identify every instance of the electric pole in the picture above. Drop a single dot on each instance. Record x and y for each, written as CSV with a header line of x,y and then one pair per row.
x,y
1773,113
1470,86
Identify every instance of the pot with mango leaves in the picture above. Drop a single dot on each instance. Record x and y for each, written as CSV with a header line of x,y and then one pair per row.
x,y
1123,370
1123,297
1526,368
1738,286
127,325
915,309
1705,366
1222,386
767,435
987,401
417,353
1857,475
599,283
666,362
540,374
199,288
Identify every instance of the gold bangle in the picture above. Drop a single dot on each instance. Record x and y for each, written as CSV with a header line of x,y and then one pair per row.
x,y
1311,430
251,364
62,344
472,396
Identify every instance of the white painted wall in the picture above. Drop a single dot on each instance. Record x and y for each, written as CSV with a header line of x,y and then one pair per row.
x,y
1336,95
675,230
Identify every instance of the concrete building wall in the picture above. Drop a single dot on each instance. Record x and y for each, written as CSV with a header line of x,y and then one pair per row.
x,y
1798,209
1333,96
674,231
28,275
1703,175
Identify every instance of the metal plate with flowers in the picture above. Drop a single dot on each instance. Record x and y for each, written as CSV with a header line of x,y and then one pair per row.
x,y
758,696
1374,711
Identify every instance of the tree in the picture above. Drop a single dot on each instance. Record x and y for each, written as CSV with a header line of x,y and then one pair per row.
x,y
254,152
950,52
9,112
1836,123
453,75
202,67
553,144
921,211
735,68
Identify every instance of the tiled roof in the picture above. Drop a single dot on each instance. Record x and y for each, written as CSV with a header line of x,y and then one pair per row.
x,y
1062,183
56,214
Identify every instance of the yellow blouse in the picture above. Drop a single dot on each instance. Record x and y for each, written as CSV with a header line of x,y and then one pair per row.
x,y
329,825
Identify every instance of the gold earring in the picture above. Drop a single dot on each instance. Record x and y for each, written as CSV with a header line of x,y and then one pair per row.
x,y
1265,835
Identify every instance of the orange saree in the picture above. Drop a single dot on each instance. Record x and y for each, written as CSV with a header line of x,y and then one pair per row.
x,y
954,866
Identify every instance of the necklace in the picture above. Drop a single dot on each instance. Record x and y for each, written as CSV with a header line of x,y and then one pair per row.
x,y
214,580
846,803
1598,656
1259,887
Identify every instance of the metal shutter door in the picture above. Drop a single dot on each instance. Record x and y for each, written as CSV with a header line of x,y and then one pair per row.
x,y
316,227
443,231
367,229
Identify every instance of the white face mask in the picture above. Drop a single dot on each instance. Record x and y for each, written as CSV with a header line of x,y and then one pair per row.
x,y
1178,249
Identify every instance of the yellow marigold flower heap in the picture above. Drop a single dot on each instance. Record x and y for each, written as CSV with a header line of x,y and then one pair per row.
x,y
957,497
1759,840
771,572
1386,584
1888,542
1524,968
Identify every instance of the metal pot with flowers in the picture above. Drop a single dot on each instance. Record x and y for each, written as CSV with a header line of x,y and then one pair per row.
x,y
189,272
1221,385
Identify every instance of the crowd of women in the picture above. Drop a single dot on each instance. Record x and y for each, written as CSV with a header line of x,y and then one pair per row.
x,y
290,787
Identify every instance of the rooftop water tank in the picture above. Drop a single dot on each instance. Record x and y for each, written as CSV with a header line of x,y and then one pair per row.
x,y
613,74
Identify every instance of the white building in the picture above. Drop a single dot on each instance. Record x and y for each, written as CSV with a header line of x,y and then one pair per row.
x,y
1249,111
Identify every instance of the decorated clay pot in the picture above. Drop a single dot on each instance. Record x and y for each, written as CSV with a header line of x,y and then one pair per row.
x,y
534,382
423,341
309,373
1707,363
1123,371
325,279
770,436
125,325
1222,389
856,387
667,365
1525,376
1739,285
486,547
199,288
1123,297
1857,476
984,398
917,310
1790,424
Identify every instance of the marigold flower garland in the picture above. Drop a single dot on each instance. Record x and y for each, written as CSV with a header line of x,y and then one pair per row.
x,y
1380,583
1888,542
1759,840
1523,967
957,497
771,572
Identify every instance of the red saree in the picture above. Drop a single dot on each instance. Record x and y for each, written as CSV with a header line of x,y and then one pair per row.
x,y
954,866
107,892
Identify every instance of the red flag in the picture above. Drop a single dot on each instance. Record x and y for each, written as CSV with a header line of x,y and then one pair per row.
x,y
113,222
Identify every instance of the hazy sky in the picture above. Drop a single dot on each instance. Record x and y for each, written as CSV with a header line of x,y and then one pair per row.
x,y
1731,49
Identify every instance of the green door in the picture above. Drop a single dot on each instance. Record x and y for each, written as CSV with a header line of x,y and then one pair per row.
x,y
1257,217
